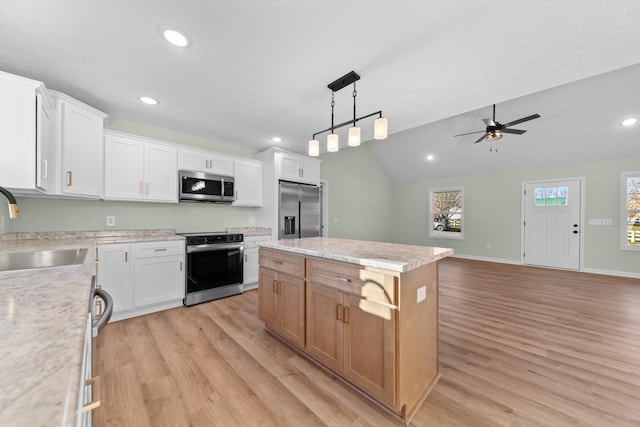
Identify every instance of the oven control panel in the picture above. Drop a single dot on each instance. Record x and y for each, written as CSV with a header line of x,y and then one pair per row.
x,y
208,239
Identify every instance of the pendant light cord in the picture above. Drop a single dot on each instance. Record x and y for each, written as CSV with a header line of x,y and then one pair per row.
x,y
355,93
333,103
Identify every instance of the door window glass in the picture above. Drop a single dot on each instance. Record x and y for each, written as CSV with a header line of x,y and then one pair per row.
x,y
551,196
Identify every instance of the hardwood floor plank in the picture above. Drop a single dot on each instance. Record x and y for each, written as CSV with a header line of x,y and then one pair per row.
x,y
519,346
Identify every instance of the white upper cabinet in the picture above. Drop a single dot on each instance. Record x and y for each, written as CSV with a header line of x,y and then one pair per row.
x,y
298,168
248,183
204,161
80,135
25,133
45,148
139,169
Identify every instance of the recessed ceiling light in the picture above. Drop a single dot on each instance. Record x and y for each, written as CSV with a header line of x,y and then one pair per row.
x,y
430,157
148,101
629,122
175,37
276,139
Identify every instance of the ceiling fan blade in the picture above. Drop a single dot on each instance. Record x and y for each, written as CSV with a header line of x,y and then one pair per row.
x,y
468,133
516,131
489,122
522,120
481,138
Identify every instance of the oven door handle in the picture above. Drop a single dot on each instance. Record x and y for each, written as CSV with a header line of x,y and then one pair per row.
x,y
213,247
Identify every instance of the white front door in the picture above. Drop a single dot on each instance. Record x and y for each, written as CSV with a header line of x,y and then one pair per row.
x,y
552,224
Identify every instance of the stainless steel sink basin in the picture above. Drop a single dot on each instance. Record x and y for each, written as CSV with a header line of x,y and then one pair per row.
x,y
39,259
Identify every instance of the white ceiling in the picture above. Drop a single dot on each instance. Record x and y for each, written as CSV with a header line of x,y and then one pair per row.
x,y
259,68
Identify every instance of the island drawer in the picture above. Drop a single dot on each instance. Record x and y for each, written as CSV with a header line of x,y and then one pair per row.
x,y
353,279
282,262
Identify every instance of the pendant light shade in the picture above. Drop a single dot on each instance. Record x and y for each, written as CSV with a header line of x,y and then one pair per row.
x,y
354,136
380,128
314,148
332,143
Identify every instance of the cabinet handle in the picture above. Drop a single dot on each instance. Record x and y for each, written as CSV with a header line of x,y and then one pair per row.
x,y
45,163
95,393
343,279
147,188
275,286
339,312
161,250
126,256
301,173
69,178
236,194
346,315
245,257
180,265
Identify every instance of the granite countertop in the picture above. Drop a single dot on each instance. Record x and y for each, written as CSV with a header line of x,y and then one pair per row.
x,y
43,315
388,256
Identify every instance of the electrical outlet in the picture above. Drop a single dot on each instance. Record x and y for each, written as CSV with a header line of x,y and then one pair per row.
x,y
488,245
252,220
595,221
422,294
111,221
607,221
335,219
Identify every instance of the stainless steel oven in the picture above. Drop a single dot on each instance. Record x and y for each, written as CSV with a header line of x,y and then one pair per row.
x,y
214,266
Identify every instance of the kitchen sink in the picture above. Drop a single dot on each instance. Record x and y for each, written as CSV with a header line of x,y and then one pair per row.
x,y
39,259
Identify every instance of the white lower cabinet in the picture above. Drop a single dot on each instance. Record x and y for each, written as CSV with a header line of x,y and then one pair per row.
x,y
142,277
250,272
85,392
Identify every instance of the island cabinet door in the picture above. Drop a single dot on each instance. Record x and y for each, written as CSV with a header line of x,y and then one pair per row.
x,y
290,308
369,347
267,297
324,325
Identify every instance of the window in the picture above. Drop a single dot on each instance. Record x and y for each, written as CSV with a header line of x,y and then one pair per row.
x,y
552,196
446,212
630,210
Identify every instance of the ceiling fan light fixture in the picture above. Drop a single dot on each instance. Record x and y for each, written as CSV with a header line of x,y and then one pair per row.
x,y
314,148
493,135
354,136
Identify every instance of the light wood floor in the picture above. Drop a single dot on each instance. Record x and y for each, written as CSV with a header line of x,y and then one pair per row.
x,y
519,346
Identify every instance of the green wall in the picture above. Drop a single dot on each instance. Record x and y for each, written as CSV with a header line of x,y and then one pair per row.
x,y
371,207
39,214
360,195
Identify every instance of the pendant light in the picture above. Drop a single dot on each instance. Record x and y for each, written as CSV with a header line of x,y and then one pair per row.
x,y
354,131
354,139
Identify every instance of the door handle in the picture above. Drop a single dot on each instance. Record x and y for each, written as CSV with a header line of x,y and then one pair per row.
x,y
575,231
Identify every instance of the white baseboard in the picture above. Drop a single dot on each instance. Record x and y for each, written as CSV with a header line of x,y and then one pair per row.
x,y
628,274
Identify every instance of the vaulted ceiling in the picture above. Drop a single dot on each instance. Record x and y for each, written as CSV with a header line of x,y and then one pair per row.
x,y
257,69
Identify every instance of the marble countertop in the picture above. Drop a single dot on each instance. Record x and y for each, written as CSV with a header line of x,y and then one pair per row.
x,y
43,314
250,231
388,256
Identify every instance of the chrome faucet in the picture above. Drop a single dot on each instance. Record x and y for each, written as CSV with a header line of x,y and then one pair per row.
x,y
14,212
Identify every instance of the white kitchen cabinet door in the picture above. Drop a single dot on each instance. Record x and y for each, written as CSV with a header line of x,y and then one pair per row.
x,y
17,131
45,166
114,275
299,168
81,137
124,174
204,161
158,279
248,183
161,173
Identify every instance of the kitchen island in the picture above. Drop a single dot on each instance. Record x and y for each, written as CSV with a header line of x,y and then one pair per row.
x,y
365,311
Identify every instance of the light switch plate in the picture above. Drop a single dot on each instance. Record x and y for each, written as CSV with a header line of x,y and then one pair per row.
x,y
607,221
595,221
422,293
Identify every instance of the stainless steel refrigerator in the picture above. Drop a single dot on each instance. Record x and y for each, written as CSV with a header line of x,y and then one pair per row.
x,y
299,210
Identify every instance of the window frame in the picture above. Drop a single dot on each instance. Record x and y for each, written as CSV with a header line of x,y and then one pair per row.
x,y
446,234
624,240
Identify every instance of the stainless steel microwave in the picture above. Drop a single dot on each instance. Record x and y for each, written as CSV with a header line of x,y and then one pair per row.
x,y
203,187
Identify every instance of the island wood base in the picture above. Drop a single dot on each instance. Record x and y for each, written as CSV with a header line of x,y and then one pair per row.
x,y
375,329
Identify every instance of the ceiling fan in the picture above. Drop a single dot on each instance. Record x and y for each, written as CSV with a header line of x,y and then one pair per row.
x,y
495,130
